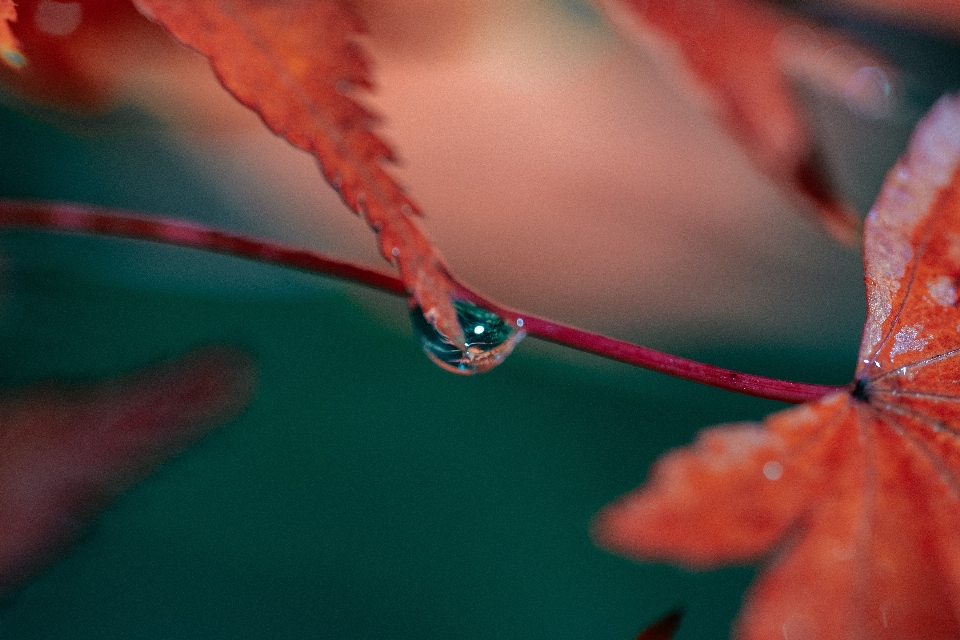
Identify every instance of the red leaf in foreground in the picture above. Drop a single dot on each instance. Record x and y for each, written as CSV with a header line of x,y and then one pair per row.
x,y
853,501
295,64
66,450
9,47
737,56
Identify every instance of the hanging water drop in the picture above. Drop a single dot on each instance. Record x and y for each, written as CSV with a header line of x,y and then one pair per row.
x,y
489,339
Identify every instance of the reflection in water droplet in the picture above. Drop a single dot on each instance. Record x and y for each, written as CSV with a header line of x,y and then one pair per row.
x,y
489,339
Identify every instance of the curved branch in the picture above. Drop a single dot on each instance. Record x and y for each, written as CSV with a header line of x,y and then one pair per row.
x,y
68,217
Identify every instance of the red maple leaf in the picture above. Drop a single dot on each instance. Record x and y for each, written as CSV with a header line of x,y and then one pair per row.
x,y
297,64
67,450
739,56
852,502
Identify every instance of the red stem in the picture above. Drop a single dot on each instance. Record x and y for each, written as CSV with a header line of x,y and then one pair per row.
x,y
83,219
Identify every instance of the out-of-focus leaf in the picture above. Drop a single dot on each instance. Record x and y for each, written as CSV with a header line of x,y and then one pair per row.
x,y
852,501
738,57
9,47
67,450
297,64
77,52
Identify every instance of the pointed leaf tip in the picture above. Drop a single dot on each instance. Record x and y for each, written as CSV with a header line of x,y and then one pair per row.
x,y
298,65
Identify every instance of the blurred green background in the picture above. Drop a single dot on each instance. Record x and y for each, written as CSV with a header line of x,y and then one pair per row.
x,y
364,493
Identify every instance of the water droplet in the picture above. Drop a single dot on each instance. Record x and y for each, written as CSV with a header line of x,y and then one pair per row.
x,y
361,209
488,338
773,470
869,92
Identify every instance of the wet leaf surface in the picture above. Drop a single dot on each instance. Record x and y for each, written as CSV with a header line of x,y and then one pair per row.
x,y
852,502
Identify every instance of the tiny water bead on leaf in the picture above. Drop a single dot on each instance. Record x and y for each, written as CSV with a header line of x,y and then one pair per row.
x,y
489,339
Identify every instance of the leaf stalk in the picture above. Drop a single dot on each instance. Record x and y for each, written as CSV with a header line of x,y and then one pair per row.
x,y
76,218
